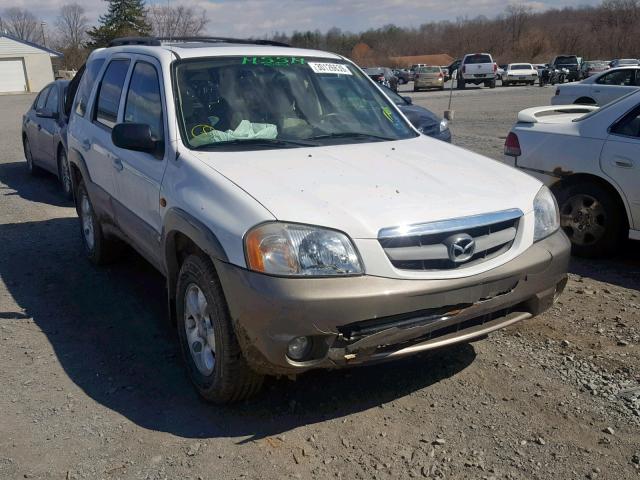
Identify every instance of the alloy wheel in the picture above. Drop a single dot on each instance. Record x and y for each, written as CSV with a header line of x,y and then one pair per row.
x,y
583,218
199,330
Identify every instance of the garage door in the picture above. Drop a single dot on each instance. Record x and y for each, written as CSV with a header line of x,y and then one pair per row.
x,y
12,77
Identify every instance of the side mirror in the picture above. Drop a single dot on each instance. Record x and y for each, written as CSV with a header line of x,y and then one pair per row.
x,y
134,136
44,113
409,100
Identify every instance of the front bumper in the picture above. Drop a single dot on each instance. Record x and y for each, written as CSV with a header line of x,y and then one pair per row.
x,y
364,319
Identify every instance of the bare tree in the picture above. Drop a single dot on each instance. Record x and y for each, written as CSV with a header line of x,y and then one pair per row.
x,y
72,25
21,23
517,16
180,21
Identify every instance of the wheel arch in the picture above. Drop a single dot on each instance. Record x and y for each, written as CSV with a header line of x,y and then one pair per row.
x,y
585,101
603,182
184,235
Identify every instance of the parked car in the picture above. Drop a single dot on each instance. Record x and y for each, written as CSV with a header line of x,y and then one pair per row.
x,y
44,134
599,89
427,122
500,71
519,73
589,157
428,77
384,76
592,67
477,68
402,76
624,62
570,64
300,221
451,69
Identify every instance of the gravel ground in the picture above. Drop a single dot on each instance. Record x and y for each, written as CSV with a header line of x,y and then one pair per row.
x,y
93,387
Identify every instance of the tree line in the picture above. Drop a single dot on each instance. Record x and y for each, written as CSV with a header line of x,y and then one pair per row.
x,y
74,36
608,30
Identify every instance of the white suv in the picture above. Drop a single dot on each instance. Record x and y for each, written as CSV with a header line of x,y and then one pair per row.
x,y
300,220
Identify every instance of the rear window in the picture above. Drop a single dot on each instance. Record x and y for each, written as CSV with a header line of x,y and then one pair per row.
x,y
479,58
429,70
521,66
567,60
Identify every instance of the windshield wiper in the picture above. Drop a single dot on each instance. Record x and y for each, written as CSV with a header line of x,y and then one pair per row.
x,y
257,142
360,135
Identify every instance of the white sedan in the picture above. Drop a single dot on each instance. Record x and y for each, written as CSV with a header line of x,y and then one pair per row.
x,y
590,158
519,73
599,89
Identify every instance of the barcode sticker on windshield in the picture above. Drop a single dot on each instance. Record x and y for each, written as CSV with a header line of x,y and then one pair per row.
x,y
336,68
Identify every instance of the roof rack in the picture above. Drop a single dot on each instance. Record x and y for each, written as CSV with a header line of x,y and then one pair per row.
x,y
150,41
157,41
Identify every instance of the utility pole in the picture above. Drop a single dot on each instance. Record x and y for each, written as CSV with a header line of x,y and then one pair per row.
x,y
44,39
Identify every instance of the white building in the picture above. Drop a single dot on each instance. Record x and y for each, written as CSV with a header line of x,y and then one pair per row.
x,y
24,66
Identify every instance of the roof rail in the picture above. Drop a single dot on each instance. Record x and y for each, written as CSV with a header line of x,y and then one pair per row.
x,y
157,41
223,40
150,41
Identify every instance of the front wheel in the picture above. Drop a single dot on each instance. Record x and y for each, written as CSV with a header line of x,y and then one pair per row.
x,y
591,218
64,174
208,342
32,168
461,84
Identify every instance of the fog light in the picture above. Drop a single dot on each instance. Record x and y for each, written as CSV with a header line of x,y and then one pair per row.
x,y
299,348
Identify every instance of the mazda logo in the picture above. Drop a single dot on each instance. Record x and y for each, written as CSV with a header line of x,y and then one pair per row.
x,y
460,247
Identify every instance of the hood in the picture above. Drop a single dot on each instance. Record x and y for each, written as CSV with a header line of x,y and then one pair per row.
x,y
363,188
420,117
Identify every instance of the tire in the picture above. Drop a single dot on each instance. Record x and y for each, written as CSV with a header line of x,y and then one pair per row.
x,y
99,248
32,168
416,89
461,84
64,174
220,374
592,219
505,83
492,83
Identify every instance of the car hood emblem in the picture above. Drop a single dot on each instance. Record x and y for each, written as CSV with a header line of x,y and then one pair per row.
x,y
460,247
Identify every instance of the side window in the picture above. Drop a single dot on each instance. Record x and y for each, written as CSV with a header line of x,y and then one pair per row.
x,y
84,89
629,126
52,100
109,92
144,103
42,98
621,78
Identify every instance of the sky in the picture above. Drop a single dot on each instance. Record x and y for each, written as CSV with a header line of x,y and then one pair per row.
x,y
244,18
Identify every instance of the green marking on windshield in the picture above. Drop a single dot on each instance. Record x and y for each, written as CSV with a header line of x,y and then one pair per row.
x,y
387,113
273,61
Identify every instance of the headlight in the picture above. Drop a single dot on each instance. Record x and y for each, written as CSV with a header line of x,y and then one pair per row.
x,y
547,217
444,125
291,249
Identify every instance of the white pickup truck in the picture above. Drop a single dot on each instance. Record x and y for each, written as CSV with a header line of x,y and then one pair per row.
x,y
477,68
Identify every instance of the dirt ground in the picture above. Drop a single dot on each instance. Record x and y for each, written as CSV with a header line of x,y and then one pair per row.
x,y
92,386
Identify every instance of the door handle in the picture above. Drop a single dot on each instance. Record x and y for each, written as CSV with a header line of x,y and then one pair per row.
x,y
623,162
117,164
86,145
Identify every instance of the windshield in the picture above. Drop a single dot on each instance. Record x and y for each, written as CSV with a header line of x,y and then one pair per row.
x,y
522,66
570,60
281,102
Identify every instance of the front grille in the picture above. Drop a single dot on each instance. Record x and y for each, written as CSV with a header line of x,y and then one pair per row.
x,y
428,246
